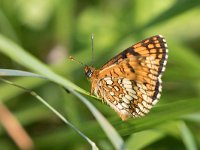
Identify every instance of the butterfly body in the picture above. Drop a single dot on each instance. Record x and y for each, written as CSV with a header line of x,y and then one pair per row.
x,y
130,83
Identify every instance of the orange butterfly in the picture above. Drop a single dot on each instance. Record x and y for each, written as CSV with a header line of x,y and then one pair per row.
x,y
130,82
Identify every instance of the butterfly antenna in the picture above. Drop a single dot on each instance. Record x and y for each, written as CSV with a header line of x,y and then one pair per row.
x,y
92,38
73,59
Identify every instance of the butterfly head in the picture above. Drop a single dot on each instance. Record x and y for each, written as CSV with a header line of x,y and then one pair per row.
x,y
89,70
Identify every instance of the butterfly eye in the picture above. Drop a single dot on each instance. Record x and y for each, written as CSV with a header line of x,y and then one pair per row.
x,y
88,73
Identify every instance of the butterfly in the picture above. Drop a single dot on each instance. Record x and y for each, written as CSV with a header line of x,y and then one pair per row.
x,y
130,82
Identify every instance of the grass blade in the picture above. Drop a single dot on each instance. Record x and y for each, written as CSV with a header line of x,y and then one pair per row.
x,y
93,145
139,140
10,72
112,134
187,137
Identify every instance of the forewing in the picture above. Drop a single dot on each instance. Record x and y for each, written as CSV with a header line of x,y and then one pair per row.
x,y
154,47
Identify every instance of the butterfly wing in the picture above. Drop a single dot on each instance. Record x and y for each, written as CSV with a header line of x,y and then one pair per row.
x,y
128,98
131,82
154,47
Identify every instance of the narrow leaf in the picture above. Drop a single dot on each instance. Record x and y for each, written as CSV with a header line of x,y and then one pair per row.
x,y
187,137
94,147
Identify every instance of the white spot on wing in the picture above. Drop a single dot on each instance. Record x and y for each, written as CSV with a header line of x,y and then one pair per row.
x,y
125,100
140,106
126,81
144,96
125,105
119,81
135,97
128,97
131,91
141,90
116,88
107,78
144,103
128,86
109,82
154,102
137,110
112,93
148,100
119,106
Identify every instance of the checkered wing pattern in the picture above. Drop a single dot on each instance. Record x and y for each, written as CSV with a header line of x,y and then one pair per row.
x,y
131,82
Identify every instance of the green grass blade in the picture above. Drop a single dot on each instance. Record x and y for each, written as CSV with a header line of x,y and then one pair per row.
x,y
7,28
159,115
10,72
187,137
93,145
178,8
141,139
193,117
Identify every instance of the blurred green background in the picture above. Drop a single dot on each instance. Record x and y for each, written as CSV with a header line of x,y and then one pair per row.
x,y
51,30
